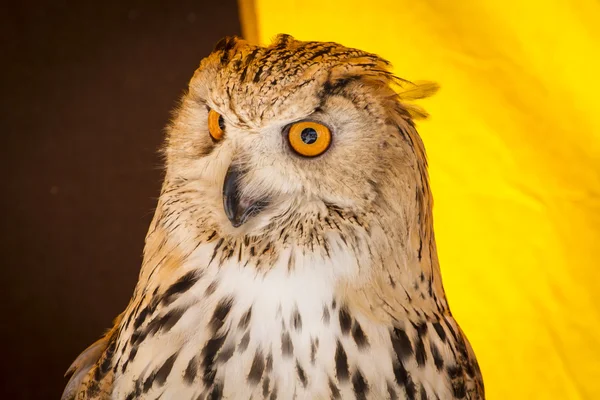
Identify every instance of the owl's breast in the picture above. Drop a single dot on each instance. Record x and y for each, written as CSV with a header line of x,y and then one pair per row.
x,y
235,332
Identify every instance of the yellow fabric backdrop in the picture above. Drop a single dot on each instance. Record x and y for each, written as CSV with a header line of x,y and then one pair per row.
x,y
514,149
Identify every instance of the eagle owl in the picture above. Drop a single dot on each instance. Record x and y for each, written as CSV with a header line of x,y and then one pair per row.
x,y
292,252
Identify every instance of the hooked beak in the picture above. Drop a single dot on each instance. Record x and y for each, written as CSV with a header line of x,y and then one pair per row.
x,y
238,209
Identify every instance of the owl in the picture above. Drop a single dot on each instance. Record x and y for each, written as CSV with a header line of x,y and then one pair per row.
x,y
292,252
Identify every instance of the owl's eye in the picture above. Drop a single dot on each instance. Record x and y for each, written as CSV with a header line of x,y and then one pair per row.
x,y
216,125
309,138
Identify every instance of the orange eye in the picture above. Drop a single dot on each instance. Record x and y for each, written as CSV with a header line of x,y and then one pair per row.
x,y
216,125
309,138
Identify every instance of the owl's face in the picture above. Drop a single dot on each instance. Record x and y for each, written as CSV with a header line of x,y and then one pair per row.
x,y
267,136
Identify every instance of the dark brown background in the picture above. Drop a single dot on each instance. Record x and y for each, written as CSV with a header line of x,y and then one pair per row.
x,y
86,91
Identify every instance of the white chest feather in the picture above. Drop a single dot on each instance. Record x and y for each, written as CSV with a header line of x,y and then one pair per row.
x,y
236,333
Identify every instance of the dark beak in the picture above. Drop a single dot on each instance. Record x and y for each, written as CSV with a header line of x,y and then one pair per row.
x,y
238,209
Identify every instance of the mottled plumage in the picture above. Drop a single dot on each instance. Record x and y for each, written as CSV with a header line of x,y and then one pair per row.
x,y
330,288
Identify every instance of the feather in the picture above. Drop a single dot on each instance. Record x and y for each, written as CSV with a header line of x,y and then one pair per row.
x,y
86,361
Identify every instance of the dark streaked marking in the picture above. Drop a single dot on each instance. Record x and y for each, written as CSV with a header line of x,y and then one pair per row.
x,y
160,324
265,386
440,331
245,320
224,58
163,372
283,40
392,281
420,354
244,342
141,318
148,382
225,354
437,357
131,396
408,296
341,363
462,348
138,389
313,350
422,392
403,379
182,285
170,319
469,368
330,88
132,354
335,392
459,390
319,53
359,336
216,250
93,389
345,320
216,393
259,71
124,366
453,371
210,289
401,344
191,371
287,347
106,362
274,392
138,337
225,44
257,368
221,311
430,287
152,327
326,315
301,374
269,366
135,338
209,352
421,328
267,248
297,320
135,311
452,332
247,63
361,389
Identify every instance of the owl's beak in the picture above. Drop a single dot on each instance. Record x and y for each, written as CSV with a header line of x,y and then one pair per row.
x,y
237,208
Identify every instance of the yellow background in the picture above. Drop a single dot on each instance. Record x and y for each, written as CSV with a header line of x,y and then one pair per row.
x,y
514,149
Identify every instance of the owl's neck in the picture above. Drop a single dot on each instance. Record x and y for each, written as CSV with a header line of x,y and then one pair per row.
x,y
363,258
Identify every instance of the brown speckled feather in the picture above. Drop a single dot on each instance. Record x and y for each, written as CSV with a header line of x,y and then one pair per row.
x,y
272,274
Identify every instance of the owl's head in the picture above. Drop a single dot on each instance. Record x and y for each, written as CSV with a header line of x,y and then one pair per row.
x,y
287,134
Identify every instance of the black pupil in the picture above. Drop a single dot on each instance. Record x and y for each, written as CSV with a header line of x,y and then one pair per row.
x,y
221,123
309,135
